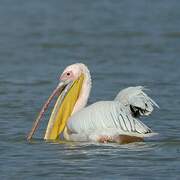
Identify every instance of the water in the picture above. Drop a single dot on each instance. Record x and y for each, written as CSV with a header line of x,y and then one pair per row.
x,y
124,43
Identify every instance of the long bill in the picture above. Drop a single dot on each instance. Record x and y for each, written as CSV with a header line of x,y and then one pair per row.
x,y
57,90
68,95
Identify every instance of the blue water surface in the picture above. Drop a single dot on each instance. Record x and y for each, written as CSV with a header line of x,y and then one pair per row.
x,y
124,43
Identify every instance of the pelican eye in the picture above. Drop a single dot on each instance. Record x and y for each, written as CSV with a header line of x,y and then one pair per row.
x,y
68,74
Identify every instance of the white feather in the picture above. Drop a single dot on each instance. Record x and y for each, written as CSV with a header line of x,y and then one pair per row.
x,y
112,118
136,98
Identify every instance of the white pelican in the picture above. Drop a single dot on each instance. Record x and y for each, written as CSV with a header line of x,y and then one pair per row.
x,y
104,121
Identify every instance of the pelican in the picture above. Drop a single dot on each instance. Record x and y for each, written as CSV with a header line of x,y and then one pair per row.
x,y
104,121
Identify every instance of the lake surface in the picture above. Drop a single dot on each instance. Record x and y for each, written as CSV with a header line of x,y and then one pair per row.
x,y
124,43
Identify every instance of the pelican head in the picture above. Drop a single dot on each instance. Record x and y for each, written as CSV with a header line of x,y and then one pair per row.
x,y
73,91
72,73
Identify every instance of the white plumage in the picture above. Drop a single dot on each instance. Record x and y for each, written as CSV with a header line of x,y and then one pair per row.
x,y
136,101
115,121
113,118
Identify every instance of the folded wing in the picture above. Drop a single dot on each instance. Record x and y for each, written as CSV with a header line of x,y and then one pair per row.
x,y
136,101
106,118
